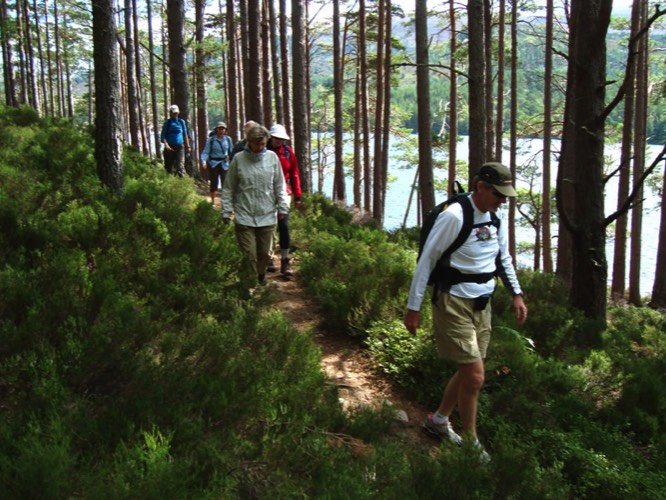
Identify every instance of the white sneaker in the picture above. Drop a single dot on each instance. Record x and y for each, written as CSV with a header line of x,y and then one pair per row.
x,y
483,454
442,431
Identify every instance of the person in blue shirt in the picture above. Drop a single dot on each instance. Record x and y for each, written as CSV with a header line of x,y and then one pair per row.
x,y
215,158
176,142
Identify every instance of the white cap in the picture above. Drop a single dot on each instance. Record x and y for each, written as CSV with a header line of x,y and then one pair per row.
x,y
279,131
174,108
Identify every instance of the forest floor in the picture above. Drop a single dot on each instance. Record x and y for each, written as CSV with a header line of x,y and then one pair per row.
x,y
345,360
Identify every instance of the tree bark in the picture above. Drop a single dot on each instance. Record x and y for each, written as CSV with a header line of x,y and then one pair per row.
x,y
233,121
658,299
266,48
30,55
284,61
365,122
132,100
153,82
7,58
300,131
180,93
200,75
640,139
275,63
378,185
453,101
108,147
253,95
488,78
477,111
513,135
339,191
547,141
499,121
620,243
40,55
587,57
140,88
426,181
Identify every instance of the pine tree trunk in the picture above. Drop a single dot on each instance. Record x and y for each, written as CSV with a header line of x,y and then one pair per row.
x,y
386,128
60,90
108,147
29,50
488,79
233,121
22,58
499,122
587,56
200,75
140,87
300,130
7,58
658,299
49,62
621,224
339,190
284,57
453,101
378,187
365,106
426,178
40,55
153,82
477,111
266,99
275,63
253,95
547,143
513,134
132,100
640,139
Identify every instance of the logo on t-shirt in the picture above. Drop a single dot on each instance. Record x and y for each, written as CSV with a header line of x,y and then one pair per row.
x,y
483,233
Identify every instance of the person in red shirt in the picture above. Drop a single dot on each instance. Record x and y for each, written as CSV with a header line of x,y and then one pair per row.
x,y
278,144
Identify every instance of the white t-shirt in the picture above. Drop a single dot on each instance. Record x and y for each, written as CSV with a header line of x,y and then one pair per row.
x,y
475,256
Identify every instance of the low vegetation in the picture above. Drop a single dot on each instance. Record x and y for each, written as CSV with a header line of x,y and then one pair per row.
x,y
129,366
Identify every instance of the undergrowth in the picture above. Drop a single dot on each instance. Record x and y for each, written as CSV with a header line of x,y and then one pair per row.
x,y
131,368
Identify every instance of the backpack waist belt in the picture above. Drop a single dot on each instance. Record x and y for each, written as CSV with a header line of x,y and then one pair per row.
x,y
450,276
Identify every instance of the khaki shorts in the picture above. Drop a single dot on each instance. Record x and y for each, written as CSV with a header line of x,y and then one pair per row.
x,y
461,333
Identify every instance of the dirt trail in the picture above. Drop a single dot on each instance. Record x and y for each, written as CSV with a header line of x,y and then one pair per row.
x,y
347,363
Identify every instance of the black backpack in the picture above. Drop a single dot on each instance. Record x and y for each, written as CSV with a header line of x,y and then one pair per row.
x,y
443,275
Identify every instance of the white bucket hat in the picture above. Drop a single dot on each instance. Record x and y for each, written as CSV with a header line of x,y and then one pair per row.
x,y
279,131
221,125
174,108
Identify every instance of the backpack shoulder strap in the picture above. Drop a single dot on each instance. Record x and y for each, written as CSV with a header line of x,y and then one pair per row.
x,y
468,222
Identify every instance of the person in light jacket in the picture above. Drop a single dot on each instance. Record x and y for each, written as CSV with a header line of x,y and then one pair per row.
x,y
255,192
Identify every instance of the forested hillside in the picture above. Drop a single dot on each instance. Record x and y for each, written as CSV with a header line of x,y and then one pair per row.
x,y
129,366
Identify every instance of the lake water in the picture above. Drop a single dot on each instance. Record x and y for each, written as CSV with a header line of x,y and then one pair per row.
x,y
529,150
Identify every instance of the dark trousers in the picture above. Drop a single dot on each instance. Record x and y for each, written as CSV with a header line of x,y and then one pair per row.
x,y
214,174
174,161
283,230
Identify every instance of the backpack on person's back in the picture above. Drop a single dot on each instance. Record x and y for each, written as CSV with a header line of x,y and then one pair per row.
x,y
443,274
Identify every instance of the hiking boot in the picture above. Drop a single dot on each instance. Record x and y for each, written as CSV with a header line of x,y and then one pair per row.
x,y
271,266
484,457
442,431
285,267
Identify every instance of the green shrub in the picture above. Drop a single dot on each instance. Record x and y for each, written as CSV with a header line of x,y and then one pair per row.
x,y
356,281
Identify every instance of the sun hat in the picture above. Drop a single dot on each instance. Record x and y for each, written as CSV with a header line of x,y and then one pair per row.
x,y
279,132
499,176
174,108
221,125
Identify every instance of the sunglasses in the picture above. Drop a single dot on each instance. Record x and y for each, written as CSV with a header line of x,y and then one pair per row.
x,y
495,191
